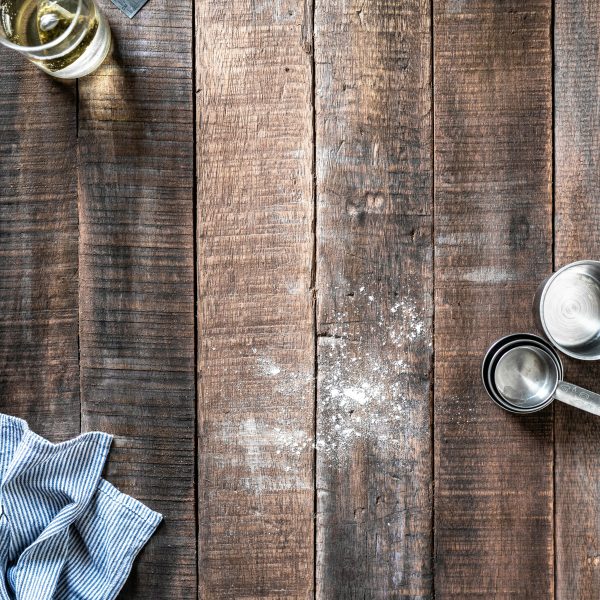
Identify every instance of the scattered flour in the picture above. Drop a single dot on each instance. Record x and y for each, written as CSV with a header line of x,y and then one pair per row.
x,y
366,393
258,441
268,366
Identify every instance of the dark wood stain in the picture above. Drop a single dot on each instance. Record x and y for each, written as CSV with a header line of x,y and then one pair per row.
x,y
39,373
493,472
136,280
577,237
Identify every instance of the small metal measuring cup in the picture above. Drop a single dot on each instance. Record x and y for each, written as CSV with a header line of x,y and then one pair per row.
x,y
522,373
495,352
567,309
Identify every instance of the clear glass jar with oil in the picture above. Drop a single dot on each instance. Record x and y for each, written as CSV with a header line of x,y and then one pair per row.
x,y
66,38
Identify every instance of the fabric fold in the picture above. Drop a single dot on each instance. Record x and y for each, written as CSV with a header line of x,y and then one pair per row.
x,y
64,531
108,551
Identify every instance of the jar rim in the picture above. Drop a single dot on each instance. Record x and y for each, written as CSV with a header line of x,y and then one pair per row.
x,y
61,38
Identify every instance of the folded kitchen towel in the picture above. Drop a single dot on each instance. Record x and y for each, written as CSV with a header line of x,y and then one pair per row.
x,y
65,533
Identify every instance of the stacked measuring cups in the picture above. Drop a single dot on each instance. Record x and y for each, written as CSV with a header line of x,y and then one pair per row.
x,y
522,372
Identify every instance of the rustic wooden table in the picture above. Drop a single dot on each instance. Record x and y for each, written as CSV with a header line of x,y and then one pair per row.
x,y
266,246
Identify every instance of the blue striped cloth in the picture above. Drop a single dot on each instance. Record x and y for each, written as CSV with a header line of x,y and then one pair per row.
x,y
65,533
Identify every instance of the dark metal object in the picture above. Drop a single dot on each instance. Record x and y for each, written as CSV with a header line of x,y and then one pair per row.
x,y
130,7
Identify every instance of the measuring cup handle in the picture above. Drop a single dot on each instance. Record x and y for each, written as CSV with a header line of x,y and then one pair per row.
x,y
578,397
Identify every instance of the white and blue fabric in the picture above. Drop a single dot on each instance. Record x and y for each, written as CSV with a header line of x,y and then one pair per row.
x,y
65,533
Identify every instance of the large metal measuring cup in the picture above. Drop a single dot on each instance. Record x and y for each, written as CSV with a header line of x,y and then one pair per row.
x,y
522,373
567,309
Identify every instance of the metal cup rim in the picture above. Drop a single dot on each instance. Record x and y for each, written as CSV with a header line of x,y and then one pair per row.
x,y
512,346
490,354
493,354
539,303
491,383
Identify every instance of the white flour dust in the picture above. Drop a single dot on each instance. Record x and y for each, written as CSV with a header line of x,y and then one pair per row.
x,y
365,391
365,386
263,472
268,366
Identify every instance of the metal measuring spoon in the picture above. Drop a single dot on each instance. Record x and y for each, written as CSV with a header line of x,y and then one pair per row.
x,y
526,377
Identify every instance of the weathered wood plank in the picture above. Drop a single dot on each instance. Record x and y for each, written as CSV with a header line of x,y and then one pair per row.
x,y
256,330
137,280
375,298
577,236
39,372
493,236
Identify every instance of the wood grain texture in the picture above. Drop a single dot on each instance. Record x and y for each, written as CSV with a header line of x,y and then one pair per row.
x,y
374,282
137,280
256,330
577,237
493,235
39,374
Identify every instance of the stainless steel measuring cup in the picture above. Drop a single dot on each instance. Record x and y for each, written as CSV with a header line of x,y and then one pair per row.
x,y
495,352
567,309
523,374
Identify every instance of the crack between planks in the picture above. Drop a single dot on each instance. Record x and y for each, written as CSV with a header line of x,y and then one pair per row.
x,y
196,293
313,285
553,252
78,199
433,295
77,109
